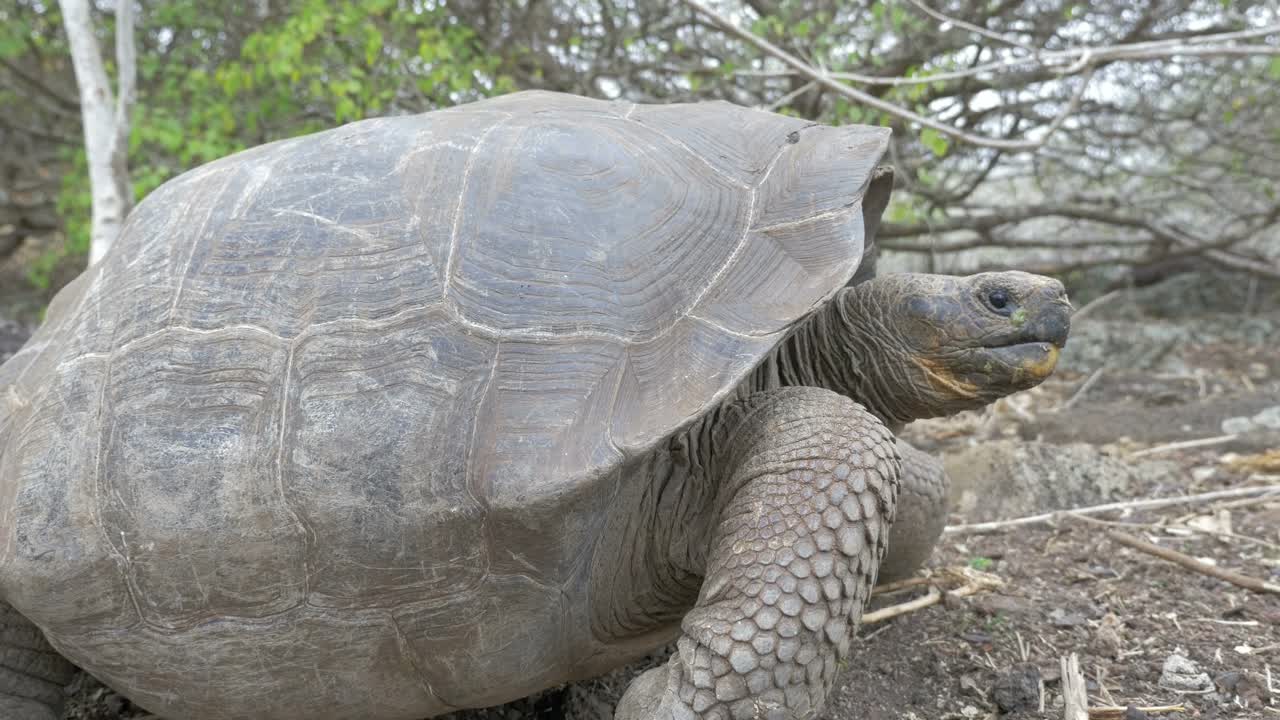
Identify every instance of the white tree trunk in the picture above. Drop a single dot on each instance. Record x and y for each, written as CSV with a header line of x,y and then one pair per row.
x,y
105,117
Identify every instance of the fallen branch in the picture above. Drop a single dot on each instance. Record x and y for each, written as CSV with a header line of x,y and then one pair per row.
x,y
1185,445
1249,492
1190,563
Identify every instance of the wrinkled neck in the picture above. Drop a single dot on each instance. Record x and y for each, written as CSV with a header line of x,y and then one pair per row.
x,y
847,348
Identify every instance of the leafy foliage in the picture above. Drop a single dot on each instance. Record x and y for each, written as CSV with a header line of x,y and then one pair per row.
x,y
215,78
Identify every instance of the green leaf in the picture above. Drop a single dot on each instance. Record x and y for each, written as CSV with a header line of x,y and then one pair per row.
x,y
935,141
897,16
1273,69
981,563
372,44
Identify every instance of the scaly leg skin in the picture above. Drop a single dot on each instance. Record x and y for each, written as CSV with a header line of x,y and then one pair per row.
x,y
921,513
805,504
32,674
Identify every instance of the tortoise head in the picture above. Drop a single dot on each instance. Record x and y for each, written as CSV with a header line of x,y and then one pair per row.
x,y
931,345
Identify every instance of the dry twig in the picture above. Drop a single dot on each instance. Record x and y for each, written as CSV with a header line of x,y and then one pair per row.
x,y
786,99
1088,307
1185,444
893,611
1181,529
974,581
1190,563
1084,388
1107,712
1249,492
898,585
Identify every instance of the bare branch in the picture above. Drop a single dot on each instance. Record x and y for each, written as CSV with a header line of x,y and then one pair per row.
x,y
826,80
1074,60
791,96
971,27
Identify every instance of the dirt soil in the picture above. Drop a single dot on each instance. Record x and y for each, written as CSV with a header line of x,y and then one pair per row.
x,y
1133,379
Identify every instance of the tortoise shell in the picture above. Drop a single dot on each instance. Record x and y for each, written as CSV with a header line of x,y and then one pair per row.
x,y
359,378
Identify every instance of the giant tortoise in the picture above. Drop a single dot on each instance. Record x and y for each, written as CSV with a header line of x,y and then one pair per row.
x,y
434,412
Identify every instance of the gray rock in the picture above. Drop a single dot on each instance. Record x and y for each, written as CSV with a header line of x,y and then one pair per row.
x,y
1005,478
1267,418
1237,425
1160,345
1182,674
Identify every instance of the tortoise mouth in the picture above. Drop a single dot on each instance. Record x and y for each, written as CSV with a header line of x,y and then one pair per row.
x,y
1028,361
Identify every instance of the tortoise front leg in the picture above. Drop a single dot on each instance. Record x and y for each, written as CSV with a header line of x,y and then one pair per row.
x,y
32,674
920,515
804,509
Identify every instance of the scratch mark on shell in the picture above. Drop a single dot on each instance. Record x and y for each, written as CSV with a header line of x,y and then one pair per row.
x,y
193,241
307,533
361,234
406,650
464,183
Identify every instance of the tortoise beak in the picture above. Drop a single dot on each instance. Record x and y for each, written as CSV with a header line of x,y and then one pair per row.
x,y
1052,324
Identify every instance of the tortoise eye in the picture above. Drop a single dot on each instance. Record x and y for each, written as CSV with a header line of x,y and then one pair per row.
x,y
998,299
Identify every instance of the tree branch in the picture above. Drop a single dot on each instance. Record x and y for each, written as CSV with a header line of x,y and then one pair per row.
x,y
824,79
1075,60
